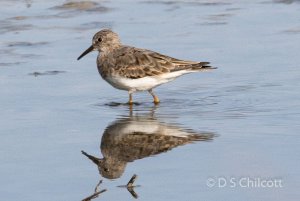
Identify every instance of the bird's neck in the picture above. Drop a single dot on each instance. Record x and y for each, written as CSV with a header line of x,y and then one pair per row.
x,y
108,49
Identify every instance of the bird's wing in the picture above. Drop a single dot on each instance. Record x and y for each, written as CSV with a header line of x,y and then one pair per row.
x,y
137,63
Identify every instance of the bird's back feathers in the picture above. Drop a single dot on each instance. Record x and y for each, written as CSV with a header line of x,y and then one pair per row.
x,y
134,63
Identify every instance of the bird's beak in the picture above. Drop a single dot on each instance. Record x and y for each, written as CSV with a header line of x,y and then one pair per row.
x,y
97,161
86,52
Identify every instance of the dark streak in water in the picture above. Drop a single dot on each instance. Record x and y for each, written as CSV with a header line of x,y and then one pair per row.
x,y
216,3
10,64
217,19
54,72
280,1
220,16
94,25
213,23
11,53
25,44
286,1
292,31
233,9
6,26
18,18
89,6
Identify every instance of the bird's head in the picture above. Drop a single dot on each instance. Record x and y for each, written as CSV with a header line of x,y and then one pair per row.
x,y
103,41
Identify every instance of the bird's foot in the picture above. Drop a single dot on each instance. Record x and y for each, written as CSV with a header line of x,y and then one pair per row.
x,y
156,100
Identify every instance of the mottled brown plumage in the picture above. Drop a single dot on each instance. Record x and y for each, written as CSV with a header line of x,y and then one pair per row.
x,y
134,63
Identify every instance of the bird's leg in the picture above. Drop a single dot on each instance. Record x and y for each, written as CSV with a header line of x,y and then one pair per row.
x,y
155,98
130,102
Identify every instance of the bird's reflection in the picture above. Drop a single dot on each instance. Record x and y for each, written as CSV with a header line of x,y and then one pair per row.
x,y
136,137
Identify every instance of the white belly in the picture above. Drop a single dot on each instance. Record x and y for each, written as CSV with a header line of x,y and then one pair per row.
x,y
142,84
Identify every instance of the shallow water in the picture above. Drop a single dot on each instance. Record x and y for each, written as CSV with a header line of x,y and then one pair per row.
x,y
53,106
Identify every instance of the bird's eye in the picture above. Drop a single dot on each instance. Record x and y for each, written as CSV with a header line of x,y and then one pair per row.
x,y
99,40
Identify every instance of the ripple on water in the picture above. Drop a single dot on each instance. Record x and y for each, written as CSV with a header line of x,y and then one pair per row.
x,y
10,26
295,30
11,54
5,64
96,25
53,72
195,3
89,6
217,19
286,1
26,44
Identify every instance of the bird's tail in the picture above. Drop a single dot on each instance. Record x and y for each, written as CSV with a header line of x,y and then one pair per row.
x,y
202,66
